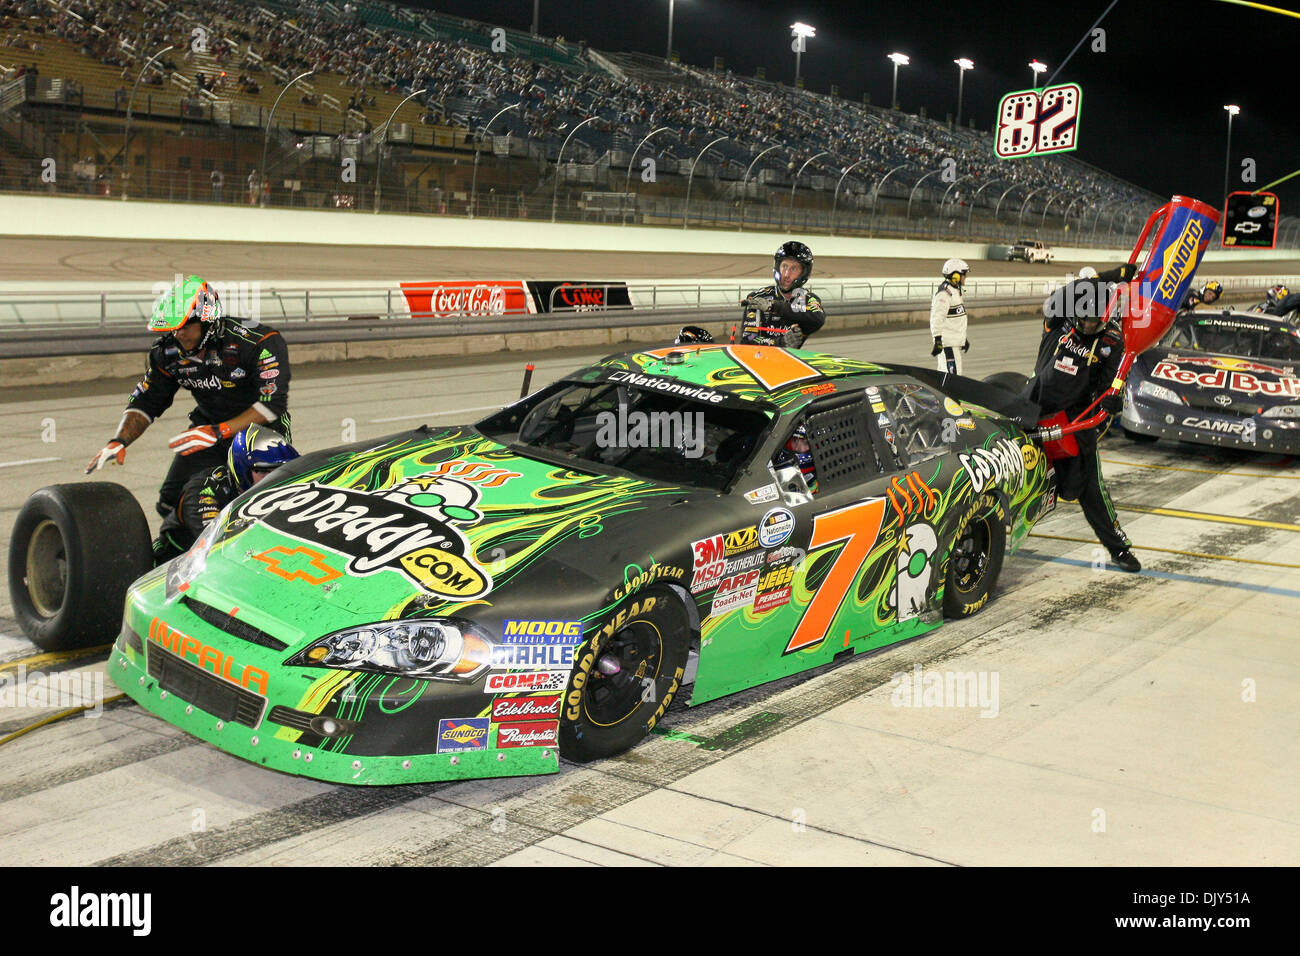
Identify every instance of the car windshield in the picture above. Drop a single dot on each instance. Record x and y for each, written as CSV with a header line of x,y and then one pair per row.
x,y
1246,339
650,434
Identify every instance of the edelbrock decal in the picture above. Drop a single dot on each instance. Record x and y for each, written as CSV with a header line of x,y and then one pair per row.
x,y
409,528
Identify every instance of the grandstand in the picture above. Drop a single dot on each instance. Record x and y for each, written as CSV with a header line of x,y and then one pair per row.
x,y
781,156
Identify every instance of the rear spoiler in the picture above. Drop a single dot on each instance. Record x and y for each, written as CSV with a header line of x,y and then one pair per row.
x,y
1008,404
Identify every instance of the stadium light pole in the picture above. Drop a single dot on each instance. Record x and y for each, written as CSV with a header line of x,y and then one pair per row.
x,y
686,212
745,182
900,59
379,154
668,56
836,202
536,15
486,127
266,140
801,32
555,193
126,140
1037,68
795,184
1227,158
627,180
963,65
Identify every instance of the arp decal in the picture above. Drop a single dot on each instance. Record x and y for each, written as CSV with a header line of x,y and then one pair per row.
x,y
409,528
459,734
735,591
857,527
915,571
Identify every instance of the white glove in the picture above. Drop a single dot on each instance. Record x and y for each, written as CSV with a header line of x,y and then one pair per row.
x,y
197,439
113,451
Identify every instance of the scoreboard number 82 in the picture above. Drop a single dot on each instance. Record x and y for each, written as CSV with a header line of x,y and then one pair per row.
x,y
1033,122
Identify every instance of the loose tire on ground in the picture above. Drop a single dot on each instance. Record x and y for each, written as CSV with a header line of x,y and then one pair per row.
x,y
75,550
975,562
605,715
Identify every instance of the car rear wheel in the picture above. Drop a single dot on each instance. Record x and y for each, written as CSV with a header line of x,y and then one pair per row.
x,y
626,676
975,561
75,550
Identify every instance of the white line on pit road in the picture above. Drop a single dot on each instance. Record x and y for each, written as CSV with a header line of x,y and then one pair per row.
x,y
28,461
449,411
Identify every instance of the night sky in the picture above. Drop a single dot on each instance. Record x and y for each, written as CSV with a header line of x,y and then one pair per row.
x,y
1152,103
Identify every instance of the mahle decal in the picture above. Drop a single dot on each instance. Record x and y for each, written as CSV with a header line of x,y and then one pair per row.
x,y
409,528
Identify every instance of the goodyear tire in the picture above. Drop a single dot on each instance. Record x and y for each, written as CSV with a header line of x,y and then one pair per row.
x,y
1010,381
75,550
976,558
603,714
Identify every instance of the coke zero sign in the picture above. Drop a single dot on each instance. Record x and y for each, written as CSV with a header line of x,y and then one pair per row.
x,y
576,296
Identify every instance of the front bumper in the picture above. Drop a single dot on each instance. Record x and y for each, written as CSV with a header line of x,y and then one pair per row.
x,y
241,699
1146,416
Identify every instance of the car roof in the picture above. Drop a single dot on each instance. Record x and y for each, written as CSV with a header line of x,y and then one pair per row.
x,y
758,373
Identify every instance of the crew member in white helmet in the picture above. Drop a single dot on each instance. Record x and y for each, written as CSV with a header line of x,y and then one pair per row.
x,y
948,318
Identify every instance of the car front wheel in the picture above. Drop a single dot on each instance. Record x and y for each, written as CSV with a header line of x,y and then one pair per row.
x,y
975,561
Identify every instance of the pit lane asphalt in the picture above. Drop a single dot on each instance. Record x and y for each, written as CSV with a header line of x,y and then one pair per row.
x,y
1140,719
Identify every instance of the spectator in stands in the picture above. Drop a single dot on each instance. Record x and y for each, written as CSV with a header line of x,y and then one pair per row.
x,y
254,187
218,180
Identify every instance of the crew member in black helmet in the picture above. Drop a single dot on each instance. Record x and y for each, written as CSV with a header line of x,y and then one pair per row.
x,y
787,305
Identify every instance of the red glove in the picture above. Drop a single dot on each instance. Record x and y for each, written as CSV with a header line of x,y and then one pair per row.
x,y
199,438
113,451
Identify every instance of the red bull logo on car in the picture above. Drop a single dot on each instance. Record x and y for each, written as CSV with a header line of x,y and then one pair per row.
x,y
1287,386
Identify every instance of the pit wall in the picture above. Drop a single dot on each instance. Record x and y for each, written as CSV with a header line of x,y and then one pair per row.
x,y
68,217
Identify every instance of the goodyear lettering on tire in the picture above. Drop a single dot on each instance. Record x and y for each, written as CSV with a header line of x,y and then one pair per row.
x,y
583,671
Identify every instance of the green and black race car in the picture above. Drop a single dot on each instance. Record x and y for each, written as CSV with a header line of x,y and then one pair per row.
x,y
474,601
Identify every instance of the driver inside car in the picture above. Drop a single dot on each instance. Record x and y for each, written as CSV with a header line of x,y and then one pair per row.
x,y
797,452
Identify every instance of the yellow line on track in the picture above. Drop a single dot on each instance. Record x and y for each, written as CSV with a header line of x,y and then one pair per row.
x,y
1199,471
54,657
59,716
1189,554
1207,516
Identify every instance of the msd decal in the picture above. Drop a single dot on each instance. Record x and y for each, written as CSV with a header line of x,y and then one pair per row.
x,y
1287,386
710,556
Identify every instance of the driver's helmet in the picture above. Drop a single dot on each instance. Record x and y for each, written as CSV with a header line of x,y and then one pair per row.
x,y
693,335
954,270
191,299
254,452
798,450
1211,291
1276,294
798,252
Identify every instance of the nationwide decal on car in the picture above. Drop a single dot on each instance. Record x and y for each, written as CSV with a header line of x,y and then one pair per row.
x,y
526,682
541,632
735,591
537,707
776,527
667,385
1287,386
408,528
527,735
997,465
458,734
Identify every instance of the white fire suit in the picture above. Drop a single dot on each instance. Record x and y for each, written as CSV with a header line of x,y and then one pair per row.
x,y
948,326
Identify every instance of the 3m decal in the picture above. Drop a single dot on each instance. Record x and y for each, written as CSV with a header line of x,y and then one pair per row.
x,y
858,527
710,562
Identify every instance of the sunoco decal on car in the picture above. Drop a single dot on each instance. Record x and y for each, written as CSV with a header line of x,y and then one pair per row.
x,y
408,528
459,734
999,464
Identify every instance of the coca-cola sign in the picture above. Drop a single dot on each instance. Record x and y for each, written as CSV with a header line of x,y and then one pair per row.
x,y
464,299
540,707
527,735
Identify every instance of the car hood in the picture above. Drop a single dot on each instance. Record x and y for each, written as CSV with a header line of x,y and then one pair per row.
x,y
1222,382
443,522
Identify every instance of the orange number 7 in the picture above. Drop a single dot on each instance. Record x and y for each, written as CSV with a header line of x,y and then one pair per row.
x,y
858,526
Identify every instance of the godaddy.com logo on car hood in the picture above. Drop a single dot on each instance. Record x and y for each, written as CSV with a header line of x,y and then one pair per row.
x,y
409,528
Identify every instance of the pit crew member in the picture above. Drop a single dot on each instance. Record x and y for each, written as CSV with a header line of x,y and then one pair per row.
x,y
787,304
948,318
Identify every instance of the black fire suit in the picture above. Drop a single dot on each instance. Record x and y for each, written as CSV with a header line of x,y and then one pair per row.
x,y
1071,371
799,313
202,499
243,368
